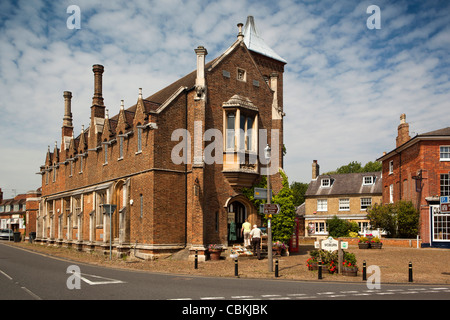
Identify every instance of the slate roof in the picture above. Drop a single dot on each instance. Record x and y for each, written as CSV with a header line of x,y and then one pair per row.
x,y
349,183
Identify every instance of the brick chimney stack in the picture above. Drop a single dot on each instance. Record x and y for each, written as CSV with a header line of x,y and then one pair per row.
x,y
1,195
98,96
403,131
97,109
315,170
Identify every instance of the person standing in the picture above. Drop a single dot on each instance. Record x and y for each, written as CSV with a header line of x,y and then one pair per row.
x,y
245,231
255,235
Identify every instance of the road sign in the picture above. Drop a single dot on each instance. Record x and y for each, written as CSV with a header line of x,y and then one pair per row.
x,y
261,193
445,204
271,208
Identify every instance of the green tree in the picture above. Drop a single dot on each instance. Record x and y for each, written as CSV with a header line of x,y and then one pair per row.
x,y
299,190
356,167
283,223
341,228
399,220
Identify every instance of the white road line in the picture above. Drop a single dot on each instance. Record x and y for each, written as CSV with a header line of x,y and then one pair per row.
x,y
181,299
5,275
320,293
92,283
296,294
241,297
212,298
35,296
270,295
352,291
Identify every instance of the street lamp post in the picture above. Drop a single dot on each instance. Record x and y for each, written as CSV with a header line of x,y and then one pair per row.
x,y
267,155
109,210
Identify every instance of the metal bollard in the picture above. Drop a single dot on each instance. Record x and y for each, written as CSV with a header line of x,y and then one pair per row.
x,y
410,277
196,259
236,268
276,268
364,271
319,274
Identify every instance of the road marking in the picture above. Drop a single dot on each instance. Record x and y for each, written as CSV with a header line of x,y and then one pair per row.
x,y
212,298
352,291
6,275
270,295
325,293
182,299
35,296
93,283
296,294
241,297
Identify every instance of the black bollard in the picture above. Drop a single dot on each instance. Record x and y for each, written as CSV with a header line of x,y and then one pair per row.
x,y
236,270
276,268
364,271
196,260
410,278
319,274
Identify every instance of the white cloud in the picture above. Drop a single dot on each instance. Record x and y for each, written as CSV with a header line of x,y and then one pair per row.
x,y
345,85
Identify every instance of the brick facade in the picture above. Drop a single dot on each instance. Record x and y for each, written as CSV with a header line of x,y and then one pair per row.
x,y
165,205
413,172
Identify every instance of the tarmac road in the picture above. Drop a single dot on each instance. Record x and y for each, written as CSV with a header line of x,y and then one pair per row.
x,y
26,275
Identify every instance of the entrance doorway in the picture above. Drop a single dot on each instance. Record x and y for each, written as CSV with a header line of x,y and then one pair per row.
x,y
237,213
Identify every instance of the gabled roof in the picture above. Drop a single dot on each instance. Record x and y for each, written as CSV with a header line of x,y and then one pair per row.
x,y
345,184
256,43
440,134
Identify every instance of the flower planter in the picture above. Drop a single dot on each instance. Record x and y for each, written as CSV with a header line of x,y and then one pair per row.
x,y
313,266
277,250
364,245
350,272
215,254
376,245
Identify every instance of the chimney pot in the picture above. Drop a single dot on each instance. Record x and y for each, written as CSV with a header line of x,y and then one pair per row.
x,y
67,120
240,34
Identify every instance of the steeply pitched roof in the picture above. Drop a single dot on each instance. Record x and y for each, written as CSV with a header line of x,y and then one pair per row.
x,y
348,183
256,43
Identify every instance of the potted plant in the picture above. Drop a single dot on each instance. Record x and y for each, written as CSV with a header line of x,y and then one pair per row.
x,y
364,243
278,247
214,251
349,267
376,243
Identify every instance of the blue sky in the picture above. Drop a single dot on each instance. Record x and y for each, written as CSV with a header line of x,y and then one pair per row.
x,y
345,85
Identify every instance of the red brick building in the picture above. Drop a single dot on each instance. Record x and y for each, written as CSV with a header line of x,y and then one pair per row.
x,y
19,213
174,163
418,170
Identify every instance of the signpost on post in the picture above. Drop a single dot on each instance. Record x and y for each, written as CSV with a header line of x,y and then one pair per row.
x,y
331,244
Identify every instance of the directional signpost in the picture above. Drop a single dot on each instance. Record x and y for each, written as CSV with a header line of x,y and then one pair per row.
x,y
271,208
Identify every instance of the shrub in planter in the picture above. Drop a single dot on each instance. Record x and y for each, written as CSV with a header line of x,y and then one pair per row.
x,y
376,243
349,267
364,243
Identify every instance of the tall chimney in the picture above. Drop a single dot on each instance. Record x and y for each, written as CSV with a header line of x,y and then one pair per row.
x,y
1,195
315,170
98,71
67,120
403,131
200,83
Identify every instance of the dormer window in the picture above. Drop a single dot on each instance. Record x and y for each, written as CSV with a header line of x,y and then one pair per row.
x,y
369,180
326,183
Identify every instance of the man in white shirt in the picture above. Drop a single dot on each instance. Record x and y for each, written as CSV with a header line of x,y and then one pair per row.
x,y
255,235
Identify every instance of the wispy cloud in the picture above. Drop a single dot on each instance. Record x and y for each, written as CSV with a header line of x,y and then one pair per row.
x,y
345,85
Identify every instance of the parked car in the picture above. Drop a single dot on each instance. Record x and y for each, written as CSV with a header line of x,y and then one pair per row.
x,y
6,234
